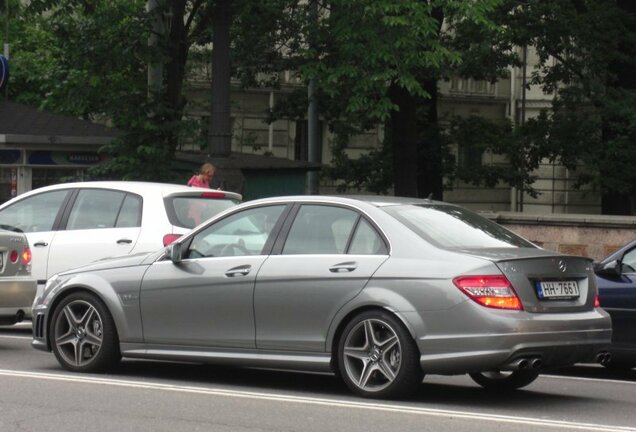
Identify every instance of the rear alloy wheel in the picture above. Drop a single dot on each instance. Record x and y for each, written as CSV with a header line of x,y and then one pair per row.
x,y
505,380
83,334
377,357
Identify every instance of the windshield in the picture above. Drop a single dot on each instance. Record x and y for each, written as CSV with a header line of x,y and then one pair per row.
x,y
452,227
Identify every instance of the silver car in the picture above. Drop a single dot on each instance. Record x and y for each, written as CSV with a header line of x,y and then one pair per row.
x,y
17,287
379,290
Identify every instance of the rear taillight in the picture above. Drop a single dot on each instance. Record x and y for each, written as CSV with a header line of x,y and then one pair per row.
x,y
494,291
169,238
13,256
26,256
597,301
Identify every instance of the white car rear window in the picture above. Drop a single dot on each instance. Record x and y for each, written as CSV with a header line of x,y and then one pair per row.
x,y
188,212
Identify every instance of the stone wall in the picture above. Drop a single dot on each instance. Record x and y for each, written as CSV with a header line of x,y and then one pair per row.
x,y
594,236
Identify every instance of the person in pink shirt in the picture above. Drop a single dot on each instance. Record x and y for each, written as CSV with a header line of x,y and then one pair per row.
x,y
204,177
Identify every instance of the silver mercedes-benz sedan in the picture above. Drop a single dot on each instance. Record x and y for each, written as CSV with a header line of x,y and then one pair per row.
x,y
378,290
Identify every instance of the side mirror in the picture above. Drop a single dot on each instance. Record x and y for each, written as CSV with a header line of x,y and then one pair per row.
x,y
612,268
174,252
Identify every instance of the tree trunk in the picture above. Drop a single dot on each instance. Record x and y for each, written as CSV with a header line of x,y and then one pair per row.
x,y
175,67
430,176
403,129
219,131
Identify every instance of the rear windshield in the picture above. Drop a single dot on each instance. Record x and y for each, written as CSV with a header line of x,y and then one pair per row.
x,y
188,212
452,227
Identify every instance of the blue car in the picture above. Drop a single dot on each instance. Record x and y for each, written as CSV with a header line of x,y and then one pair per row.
x,y
616,278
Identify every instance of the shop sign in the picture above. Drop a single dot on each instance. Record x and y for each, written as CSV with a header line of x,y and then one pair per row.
x,y
45,157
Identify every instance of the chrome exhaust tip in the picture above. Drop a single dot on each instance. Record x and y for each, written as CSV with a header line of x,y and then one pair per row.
x,y
603,357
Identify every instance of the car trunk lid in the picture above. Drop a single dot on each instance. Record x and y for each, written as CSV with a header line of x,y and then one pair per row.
x,y
545,281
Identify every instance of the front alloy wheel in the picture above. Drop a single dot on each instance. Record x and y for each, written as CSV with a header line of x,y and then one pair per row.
x,y
83,334
377,356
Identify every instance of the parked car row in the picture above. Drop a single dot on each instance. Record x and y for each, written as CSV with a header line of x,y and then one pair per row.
x,y
379,290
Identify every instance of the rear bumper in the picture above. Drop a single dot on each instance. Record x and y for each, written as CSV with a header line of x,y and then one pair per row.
x,y
488,339
16,298
493,352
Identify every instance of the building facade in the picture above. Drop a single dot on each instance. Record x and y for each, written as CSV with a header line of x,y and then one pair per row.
x,y
38,149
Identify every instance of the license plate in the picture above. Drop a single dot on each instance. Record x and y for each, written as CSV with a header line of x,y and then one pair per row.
x,y
558,289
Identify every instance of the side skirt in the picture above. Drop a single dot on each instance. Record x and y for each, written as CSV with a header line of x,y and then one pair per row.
x,y
302,361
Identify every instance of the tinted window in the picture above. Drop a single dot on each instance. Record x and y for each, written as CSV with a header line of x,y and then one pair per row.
x,y
188,212
366,241
454,227
95,208
35,213
320,229
243,233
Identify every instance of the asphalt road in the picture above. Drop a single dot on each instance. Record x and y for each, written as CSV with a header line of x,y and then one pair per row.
x,y
36,394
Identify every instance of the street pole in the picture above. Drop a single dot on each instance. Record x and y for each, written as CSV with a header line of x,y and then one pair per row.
x,y
524,82
155,70
313,148
6,43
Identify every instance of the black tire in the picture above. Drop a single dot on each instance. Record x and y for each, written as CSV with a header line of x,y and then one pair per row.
x,y
387,366
83,334
505,381
619,366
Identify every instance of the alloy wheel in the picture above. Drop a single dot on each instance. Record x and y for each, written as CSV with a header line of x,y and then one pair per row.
x,y
78,333
372,355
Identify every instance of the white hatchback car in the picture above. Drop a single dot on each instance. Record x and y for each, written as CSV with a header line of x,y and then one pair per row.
x,y
72,224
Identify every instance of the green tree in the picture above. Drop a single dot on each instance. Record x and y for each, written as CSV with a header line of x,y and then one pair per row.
x,y
593,118
90,59
380,61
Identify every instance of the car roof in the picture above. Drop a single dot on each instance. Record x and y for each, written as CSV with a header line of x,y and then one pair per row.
x,y
138,187
374,200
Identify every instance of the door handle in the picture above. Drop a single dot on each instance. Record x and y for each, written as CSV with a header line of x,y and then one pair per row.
x,y
239,271
124,241
344,267
40,244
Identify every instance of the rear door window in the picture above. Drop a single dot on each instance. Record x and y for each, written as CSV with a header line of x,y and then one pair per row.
x,y
320,229
96,208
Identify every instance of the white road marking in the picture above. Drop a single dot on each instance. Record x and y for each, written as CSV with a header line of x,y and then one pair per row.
x,y
569,377
335,403
15,337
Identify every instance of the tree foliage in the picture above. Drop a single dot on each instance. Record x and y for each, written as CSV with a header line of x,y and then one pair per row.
x,y
593,118
380,61
90,59
375,62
